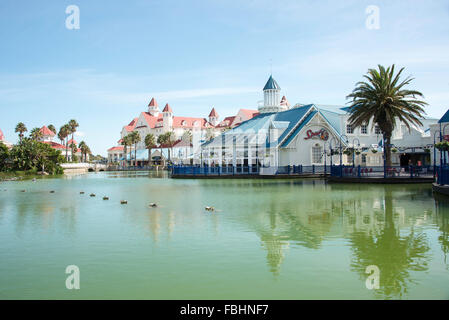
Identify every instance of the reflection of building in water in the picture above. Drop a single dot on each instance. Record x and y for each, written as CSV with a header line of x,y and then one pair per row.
x,y
280,225
442,217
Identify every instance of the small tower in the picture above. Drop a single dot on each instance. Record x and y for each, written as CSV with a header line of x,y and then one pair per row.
x,y
153,108
167,114
213,117
285,105
271,101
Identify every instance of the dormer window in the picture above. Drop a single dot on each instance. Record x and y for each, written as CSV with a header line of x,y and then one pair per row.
x,y
183,123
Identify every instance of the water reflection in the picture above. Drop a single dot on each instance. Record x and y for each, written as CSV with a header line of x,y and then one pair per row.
x,y
396,254
442,220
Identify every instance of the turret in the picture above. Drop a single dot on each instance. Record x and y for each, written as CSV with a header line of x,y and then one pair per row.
x,y
213,117
271,93
167,114
153,108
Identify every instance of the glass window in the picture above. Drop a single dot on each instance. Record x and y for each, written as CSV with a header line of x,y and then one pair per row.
x,y
377,130
349,129
363,158
364,129
317,154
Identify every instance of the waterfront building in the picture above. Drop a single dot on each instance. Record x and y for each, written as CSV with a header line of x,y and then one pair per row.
x,y
3,140
155,122
48,137
439,132
303,134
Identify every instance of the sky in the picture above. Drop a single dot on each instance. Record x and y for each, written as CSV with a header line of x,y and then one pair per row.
x,y
195,54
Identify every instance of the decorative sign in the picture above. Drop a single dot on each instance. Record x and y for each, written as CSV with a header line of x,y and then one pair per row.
x,y
320,134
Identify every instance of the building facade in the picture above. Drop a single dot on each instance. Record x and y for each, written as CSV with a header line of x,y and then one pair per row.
x,y
155,122
281,135
3,140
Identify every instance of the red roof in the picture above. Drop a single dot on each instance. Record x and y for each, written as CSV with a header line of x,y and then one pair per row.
x,y
178,122
227,122
72,141
118,148
284,102
130,127
153,103
250,113
120,141
55,145
46,132
167,108
2,137
213,113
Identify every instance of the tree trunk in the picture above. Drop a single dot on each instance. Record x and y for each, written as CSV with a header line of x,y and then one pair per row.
x,y
66,151
387,148
135,155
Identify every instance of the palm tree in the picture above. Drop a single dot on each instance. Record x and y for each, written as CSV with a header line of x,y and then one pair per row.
x,y
161,140
52,128
73,125
36,134
150,143
84,150
73,149
21,128
126,142
170,140
135,139
384,99
63,134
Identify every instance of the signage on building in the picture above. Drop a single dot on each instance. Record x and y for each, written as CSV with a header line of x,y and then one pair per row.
x,y
320,134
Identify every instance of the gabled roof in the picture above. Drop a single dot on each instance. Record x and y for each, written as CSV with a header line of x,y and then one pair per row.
x,y
249,113
167,108
55,145
271,84
153,103
47,132
2,137
213,113
72,141
444,118
130,127
284,102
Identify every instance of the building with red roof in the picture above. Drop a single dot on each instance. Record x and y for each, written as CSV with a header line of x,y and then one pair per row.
x,y
155,122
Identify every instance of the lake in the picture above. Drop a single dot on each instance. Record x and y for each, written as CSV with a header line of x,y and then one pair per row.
x,y
266,239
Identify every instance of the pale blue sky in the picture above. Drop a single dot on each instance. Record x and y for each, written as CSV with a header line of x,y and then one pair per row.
x,y
199,54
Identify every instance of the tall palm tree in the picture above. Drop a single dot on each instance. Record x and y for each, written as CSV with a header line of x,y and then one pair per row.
x,y
52,128
135,139
170,140
36,134
150,143
125,143
63,134
73,125
161,140
84,150
21,128
384,99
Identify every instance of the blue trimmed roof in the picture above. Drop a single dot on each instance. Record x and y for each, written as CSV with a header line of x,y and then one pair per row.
x,y
444,118
271,84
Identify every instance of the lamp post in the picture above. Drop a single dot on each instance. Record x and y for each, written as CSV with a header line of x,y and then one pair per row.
x,y
341,154
434,154
441,139
353,151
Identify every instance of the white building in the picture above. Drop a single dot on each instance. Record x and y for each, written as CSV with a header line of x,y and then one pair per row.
x,y
155,122
303,135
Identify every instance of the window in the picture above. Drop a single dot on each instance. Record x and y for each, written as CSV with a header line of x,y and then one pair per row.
x,y
363,158
364,129
377,130
317,154
349,129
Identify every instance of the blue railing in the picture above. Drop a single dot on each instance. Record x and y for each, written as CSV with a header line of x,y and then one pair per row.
x,y
245,170
382,172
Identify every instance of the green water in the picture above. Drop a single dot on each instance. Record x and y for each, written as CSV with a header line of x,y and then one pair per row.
x,y
268,239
